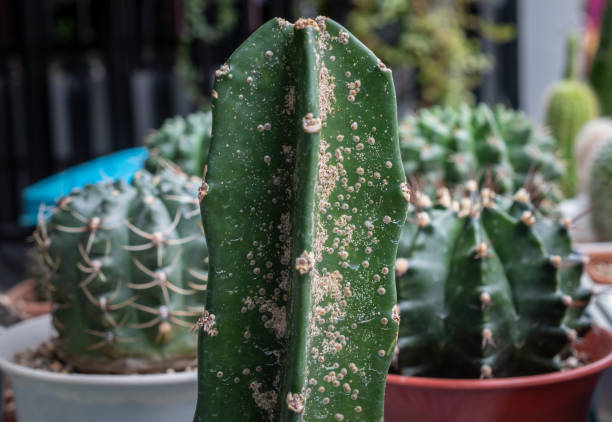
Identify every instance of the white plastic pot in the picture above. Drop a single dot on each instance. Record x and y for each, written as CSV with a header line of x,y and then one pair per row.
x,y
50,397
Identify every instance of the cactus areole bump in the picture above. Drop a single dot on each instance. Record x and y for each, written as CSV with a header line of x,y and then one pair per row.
x,y
303,203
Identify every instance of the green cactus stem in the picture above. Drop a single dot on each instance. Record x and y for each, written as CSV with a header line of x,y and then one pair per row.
x,y
496,284
127,273
303,206
601,193
183,141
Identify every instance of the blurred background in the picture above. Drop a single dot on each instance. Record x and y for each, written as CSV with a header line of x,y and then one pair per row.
x,y
83,78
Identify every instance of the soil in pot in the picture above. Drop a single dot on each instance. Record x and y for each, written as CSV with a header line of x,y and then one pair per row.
x,y
46,357
560,397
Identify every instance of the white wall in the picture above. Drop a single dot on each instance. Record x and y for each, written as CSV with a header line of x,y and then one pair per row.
x,y
543,26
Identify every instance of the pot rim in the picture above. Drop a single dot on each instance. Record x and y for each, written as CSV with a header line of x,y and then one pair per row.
x,y
508,382
12,369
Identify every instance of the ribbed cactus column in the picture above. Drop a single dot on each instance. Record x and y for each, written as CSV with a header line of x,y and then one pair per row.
x,y
303,206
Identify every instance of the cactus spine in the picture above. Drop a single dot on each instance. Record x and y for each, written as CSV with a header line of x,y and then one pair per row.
x,y
127,273
497,285
182,141
571,104
601,193
302,206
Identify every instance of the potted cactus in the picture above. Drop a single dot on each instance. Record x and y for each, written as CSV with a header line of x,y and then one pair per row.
x,y
498,286
128,275
305,170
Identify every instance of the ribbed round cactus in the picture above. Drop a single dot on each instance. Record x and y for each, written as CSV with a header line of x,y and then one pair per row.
x,y
570,105
129,273
591,138
486,288
303,206
183,141
501,147
601,193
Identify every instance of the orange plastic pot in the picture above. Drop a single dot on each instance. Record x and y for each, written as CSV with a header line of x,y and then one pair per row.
x,y
560,396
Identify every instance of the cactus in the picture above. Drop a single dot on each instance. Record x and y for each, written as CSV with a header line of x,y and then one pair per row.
x,y
496,284
302,206
589,141
600,76
128,273
182,141
601,193
449,146
570,105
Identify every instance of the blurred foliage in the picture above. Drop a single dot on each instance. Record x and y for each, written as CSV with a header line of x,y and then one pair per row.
x,y
433,38
196,26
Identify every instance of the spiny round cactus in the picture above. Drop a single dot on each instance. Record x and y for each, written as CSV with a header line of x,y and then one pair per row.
x,y
447,146
496,285
183,141
601,193
303,206
128,273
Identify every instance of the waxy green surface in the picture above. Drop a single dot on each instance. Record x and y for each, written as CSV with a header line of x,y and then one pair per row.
x,y
303,207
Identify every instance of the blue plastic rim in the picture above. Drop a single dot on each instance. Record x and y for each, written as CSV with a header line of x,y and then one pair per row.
x,y
121,165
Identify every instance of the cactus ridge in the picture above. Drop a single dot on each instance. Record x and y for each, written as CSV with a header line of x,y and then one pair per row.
x,y
127,274
302,205
496,283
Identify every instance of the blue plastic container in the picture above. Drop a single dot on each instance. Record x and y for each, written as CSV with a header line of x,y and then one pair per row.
x,y
119,165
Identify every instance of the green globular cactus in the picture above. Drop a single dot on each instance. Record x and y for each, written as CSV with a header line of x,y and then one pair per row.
x,y
601,193
600,76
128,273
496,284
183,141
450,145
303,206
570,105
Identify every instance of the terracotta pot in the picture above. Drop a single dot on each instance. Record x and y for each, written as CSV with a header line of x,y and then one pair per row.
x,y
560,396
599,267
22,299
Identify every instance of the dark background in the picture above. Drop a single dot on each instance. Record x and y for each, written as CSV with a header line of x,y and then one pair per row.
x,y
82,78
